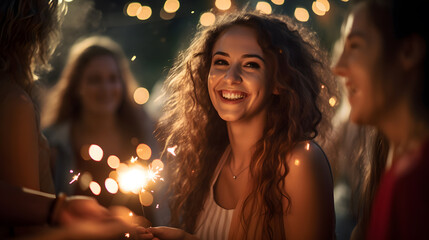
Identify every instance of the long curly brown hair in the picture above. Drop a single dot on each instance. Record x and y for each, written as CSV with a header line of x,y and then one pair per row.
x,y
296,69
28,36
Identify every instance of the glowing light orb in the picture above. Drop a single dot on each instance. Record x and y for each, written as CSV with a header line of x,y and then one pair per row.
x,y
113,161
307,147
264,7
332,101
143,151
84,180
144,13
95,152
223,4
171,6
111,185
133,58
301,14
95,188
278,2
324,5
207,19
297,162
133,9
132,179
157,164
317,10
141,95
146,199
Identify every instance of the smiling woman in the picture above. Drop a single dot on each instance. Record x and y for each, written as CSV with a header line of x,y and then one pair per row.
x,y
245,102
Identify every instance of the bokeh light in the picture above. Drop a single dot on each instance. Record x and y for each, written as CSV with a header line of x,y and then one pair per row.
x,y
165,15
111,185
171,6
95,152
264,7
223,4
144,13
84,152
143,151
297,162
113,161
133,9
133,58
317,10
301,14
141,95
157,164
146,199
332,101
278,2
95,188
325,4
207,19
84,180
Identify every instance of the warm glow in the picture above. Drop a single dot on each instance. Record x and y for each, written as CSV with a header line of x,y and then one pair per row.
x,y
84,180
95,188
143,151
326,6
95,152
301,14
144,13
317,10
171,6
297,162
332,101
133,58
157,164
307,147
223,4
133,9
264,7
165,15
278,2
84,152
111,185
132,179
141,95
345,0
113,175
207,19
113,161
146,198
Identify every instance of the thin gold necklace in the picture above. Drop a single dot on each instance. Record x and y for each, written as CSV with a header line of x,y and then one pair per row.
x,y
235,176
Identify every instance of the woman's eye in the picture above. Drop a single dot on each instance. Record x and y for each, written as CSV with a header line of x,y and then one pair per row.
x,y
220,62
252,65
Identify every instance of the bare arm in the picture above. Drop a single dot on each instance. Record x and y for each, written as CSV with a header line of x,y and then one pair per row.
x,y
309,185
19,154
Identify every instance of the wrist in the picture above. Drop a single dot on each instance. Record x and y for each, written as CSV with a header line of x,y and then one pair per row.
x,y
56,208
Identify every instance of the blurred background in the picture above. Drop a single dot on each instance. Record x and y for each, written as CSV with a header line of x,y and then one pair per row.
x,y
152,32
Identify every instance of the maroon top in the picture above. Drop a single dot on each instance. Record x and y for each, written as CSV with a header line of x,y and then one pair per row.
x,y
401,207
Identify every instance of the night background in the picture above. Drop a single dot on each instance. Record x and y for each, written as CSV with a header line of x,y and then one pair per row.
x,y
156,41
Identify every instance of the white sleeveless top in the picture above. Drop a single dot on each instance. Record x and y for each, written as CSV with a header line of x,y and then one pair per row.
x,y
214,221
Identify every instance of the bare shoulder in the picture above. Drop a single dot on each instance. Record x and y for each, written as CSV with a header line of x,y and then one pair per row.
x,y
14,99
308,158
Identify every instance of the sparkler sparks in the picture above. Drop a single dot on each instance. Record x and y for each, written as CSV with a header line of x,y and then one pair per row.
x,y
75,177
172,150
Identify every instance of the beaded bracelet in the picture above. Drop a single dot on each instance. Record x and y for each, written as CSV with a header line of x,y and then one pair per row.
x,y
56,208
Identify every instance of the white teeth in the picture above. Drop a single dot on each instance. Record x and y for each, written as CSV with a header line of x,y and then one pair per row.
x,y
232,96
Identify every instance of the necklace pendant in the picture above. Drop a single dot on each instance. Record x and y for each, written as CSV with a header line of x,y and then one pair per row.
x,y
235,177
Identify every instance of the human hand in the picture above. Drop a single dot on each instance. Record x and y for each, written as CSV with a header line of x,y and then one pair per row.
x,y
77,208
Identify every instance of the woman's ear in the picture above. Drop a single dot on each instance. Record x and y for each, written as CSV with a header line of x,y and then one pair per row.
x,y
412,52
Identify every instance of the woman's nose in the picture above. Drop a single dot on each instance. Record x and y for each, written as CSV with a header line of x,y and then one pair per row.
x,y
233,74
340,68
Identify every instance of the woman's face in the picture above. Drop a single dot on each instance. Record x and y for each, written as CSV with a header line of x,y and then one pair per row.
x,y
236,81
101,86
360,64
